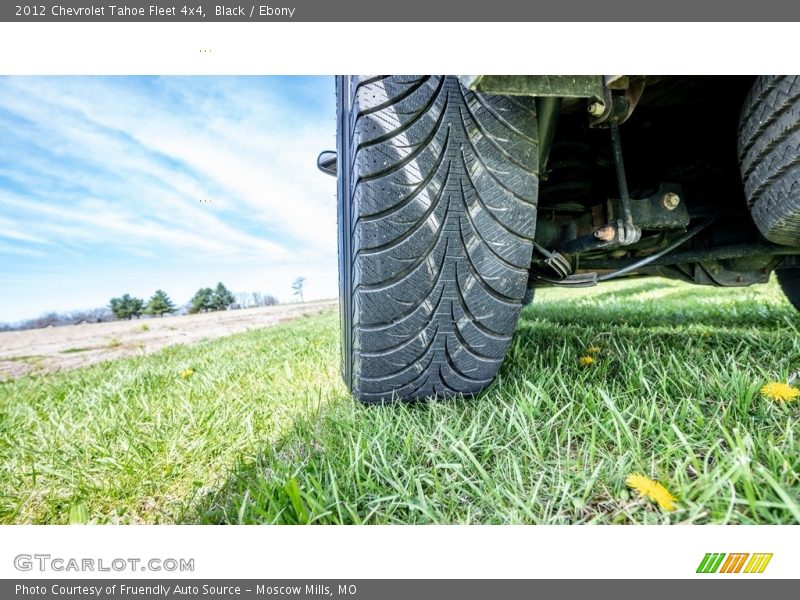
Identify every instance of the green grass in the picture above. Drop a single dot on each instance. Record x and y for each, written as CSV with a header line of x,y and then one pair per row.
x,y
264,432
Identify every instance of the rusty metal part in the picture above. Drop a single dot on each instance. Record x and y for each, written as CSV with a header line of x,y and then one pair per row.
x,y
618,102
699,255
605,234
652,258
661,210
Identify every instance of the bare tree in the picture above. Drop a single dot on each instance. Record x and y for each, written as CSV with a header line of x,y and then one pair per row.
x,y
56,319
298,285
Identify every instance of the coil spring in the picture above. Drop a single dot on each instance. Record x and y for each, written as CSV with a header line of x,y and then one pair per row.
x,y
569,171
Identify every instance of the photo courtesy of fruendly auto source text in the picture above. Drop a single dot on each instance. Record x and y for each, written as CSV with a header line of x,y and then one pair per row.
x,y
545,319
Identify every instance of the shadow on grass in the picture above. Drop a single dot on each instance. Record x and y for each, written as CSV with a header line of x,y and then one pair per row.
x,y
646,285
332,467
696,307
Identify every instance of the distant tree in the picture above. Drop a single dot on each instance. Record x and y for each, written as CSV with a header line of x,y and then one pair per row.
x,y
160,304
297,286
136,307
201,301
55,319
48,319
221,298
243,299
260,299
117,306
93,315
126,306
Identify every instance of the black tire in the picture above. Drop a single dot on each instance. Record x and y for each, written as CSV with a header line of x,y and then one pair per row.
x,y
528,298
790,284
437,206
769,155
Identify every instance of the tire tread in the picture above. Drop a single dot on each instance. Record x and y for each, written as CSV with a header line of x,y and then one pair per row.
x,y
440,203
769,155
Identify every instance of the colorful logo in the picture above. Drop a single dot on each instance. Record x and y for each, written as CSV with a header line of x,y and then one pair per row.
x,y
719,562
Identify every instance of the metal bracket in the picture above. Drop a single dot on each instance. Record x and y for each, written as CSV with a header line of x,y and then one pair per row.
x,y
561,86
620,97
664,210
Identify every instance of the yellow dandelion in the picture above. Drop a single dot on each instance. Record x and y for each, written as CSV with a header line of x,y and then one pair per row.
x,y
586,361
592,350
649,488
186,373
782,392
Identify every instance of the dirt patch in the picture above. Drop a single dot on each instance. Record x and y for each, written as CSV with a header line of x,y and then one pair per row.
x,y
58,348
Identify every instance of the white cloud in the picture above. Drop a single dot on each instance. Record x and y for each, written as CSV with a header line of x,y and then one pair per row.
x,y
261,166
194,178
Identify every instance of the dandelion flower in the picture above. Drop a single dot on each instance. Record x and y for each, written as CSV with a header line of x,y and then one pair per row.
x,y
586,361
783,392
653,490
186,373
592,350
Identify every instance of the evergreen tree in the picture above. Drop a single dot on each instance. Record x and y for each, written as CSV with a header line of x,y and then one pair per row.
x,y
160,304
116,308
126,306
201,301
222,298
136,307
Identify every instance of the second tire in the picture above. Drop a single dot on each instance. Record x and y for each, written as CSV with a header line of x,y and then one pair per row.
x,y
769,154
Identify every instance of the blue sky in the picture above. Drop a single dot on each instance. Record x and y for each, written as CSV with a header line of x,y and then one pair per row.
x,y
112,185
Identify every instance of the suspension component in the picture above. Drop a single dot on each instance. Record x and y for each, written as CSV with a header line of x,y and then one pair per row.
x,y
620,97
628,232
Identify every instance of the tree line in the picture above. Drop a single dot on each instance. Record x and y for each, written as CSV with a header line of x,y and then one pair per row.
x,y
128,307
204,300
57,319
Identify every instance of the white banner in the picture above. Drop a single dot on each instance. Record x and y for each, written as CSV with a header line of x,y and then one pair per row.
x,y
545,552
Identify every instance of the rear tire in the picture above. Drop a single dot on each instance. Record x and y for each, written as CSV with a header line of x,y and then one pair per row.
x,y
769,155
437,208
